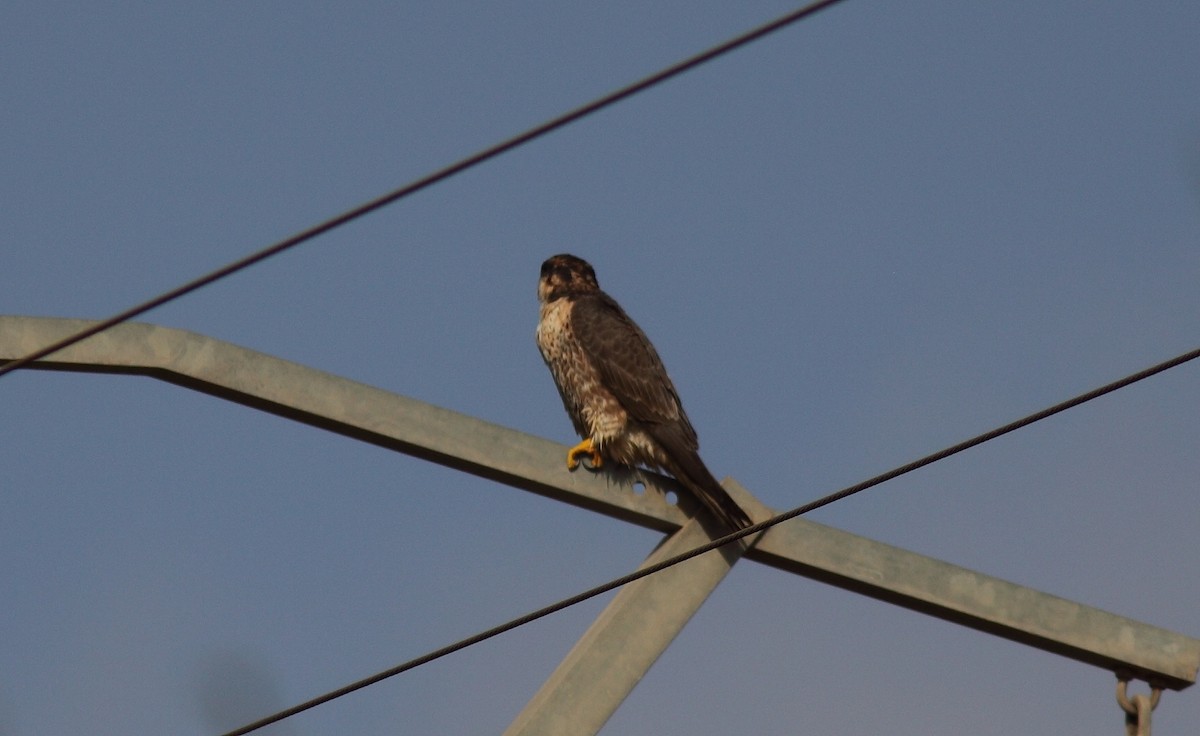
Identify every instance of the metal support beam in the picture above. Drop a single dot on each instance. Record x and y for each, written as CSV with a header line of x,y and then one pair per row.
x,y
981,602
620,646
373,415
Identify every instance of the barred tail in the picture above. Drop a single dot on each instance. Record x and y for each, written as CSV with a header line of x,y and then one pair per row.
x,y
716,499
685,464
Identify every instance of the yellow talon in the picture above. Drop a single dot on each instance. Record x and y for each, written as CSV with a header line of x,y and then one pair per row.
x,y
584,448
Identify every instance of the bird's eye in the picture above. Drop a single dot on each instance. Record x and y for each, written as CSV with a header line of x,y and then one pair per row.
x,y
556,272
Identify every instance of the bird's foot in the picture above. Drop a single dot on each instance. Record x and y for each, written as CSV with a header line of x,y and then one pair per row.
x,y
585,448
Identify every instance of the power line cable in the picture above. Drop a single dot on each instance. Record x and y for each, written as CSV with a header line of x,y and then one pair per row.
x,y
720,542
425,181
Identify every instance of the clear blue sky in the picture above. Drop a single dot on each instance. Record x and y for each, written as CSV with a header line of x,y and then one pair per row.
x,y
877,233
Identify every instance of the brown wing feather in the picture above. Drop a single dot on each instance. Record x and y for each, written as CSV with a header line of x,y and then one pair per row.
x,y
628,364
630,368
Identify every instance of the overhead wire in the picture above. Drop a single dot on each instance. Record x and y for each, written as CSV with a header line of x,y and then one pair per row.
x,y
424,182
722,541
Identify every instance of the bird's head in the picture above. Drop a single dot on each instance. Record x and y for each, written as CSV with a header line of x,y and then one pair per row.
x,y
565,275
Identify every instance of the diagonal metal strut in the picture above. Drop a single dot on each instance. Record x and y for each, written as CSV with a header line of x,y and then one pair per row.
x,y
627,638
862,565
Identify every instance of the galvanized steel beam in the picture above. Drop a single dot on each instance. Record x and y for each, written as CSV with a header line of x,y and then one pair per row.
x,y
628,637
520,460
982,602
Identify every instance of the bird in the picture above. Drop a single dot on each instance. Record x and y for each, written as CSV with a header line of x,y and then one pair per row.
x,y
615,388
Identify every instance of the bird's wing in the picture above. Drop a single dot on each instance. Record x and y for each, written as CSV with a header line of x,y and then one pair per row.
x,y
628,364
631,370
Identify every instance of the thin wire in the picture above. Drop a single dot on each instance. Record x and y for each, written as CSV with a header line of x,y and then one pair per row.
x,y
720,542
424,182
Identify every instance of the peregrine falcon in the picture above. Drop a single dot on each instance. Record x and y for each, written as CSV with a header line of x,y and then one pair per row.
x,y
615,388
